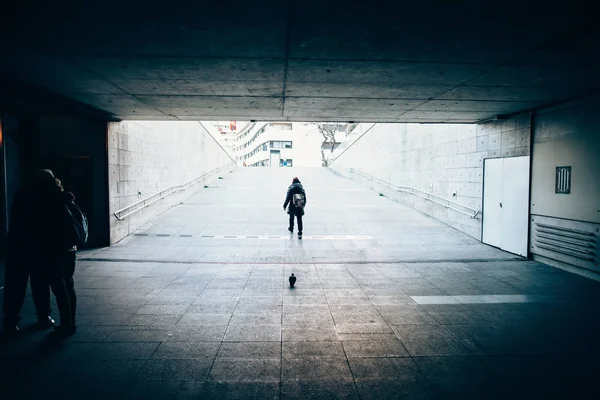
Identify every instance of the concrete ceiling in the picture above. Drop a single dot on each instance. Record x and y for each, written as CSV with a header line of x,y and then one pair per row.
x,y
434,61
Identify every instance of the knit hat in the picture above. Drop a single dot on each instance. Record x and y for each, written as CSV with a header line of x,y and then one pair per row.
x,y
296,180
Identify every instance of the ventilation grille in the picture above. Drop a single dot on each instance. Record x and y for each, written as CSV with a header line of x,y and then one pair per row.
x,y
571,242
563,180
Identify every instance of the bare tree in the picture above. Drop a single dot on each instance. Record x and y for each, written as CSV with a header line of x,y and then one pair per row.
x,y
328,130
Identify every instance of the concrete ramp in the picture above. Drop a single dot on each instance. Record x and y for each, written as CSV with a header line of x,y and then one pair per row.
x,y
240,219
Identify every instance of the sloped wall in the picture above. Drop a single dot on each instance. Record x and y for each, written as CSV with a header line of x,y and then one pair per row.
x,y
146,157
442,159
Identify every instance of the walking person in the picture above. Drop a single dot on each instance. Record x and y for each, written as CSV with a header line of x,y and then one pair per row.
x,y
41,246
296,198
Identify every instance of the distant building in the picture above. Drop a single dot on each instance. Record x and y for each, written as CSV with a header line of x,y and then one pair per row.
x,y
278,144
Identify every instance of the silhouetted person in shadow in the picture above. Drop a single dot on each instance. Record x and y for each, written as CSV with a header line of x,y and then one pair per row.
x,y
40,247
296,198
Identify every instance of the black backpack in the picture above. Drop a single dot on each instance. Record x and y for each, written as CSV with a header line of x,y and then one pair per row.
x,y
77,227
298,199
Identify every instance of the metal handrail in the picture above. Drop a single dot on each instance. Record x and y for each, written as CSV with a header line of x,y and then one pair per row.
x,y
420,193
145,202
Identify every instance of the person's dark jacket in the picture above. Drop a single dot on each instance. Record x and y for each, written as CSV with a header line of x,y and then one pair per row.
x,y
295,188
39,221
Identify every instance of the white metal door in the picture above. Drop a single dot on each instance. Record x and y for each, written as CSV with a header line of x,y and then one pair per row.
x,y
275,157
506,203
492,197
515,205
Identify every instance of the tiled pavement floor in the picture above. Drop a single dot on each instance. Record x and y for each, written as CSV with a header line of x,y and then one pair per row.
x,y
389,304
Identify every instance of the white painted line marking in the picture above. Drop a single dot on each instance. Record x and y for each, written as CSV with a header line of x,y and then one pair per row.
x,y
483,299
262,237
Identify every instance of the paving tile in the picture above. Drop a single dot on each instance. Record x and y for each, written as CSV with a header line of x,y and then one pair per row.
x,y
305,292
353,309
395,315
253,333
304,300
400,299
457,377
366,336
435,347
368,329
358,318
106,308
313,350
306,309
77,390
307,319
155,320
93,333
383,348
251,303
197,333
255,350
308,333
265,318
384,368
175,370
187,390
429,340
216,308
107,320
384,389
104,370
460,318
125,335
77,352
410,318
162,309
348,300
181,350
241,390
246,370
317,390
315,369
204,319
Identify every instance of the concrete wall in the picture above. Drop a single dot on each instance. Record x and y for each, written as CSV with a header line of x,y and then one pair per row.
x,y
565,228
75,149
442,159
567,136
147,157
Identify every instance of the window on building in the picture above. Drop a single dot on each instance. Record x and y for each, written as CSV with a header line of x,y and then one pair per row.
x,y
277,144
284,126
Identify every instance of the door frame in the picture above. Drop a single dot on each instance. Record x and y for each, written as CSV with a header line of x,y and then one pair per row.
x,y
528,251
278,152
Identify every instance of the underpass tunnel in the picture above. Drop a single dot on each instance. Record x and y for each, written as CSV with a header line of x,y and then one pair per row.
x,y
524,183
452,221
